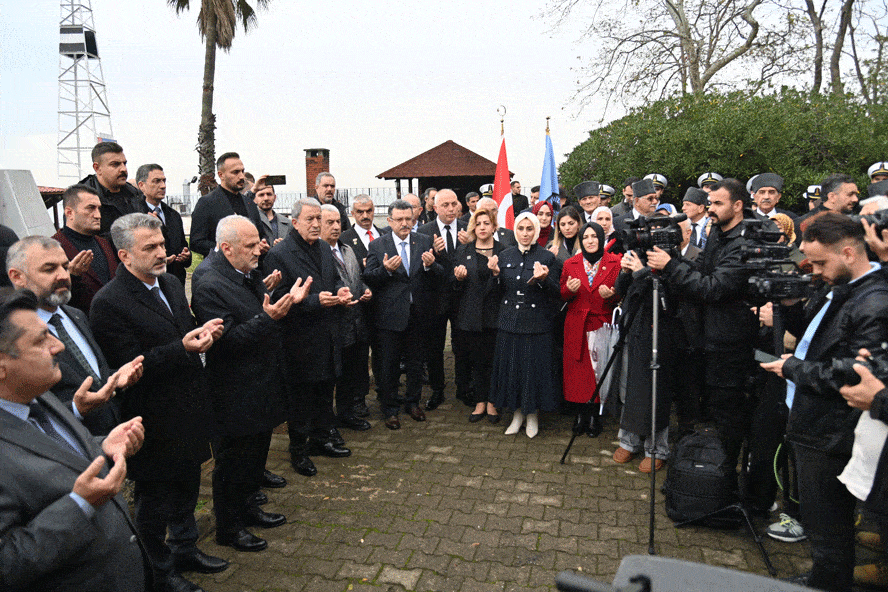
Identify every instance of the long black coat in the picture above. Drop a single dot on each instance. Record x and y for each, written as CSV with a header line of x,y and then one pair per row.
x,y
312,333
211,208
174,235
104,419
127,320
528,308
244,366
479,298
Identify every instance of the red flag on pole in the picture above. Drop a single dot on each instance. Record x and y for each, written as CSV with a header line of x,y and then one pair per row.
x,y
502,190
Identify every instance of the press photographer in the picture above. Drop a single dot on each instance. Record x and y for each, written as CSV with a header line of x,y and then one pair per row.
x,y
849,313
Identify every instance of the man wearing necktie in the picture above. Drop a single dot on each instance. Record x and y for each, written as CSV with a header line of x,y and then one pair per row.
x,y
63,524
152,183
588,194
128,318
694,207
39,264
359,236
767,189
444,231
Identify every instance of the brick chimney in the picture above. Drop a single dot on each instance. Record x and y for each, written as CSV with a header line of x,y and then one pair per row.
x,y
317,160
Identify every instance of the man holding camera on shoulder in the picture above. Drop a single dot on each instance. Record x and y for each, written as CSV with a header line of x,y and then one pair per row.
x,y
850,313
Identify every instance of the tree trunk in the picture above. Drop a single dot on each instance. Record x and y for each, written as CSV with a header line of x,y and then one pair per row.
x,y
817,24
206,134
835,72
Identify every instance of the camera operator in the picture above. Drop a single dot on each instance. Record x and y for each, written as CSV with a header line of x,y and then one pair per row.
x,y
719,282
851,312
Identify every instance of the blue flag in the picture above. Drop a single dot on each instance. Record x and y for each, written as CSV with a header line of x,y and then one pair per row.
x,y
549,182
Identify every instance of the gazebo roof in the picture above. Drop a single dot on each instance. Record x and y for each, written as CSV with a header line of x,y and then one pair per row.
x,y
446,160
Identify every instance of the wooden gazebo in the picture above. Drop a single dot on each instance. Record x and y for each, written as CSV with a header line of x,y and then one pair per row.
x,y
448,165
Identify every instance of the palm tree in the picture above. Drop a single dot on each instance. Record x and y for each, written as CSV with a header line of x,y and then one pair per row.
x,y
217,24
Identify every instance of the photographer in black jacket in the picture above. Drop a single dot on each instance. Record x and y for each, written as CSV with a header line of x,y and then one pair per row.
x,y
850,313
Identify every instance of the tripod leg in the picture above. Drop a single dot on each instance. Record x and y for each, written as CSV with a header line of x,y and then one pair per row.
x,y
757,538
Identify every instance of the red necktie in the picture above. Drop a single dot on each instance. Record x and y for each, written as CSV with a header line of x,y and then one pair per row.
x,y
369,237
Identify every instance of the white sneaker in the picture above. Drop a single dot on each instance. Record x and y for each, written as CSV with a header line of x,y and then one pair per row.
x,y
787,530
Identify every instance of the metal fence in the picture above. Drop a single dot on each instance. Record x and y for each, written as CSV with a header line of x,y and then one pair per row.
x,y
382,197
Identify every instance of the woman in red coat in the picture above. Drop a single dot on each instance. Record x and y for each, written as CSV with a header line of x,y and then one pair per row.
x,y
587,281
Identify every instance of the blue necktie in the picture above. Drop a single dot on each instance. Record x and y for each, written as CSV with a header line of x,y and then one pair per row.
x,y
405,259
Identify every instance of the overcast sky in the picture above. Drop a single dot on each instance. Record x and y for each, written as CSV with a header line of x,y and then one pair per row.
x,y
376,82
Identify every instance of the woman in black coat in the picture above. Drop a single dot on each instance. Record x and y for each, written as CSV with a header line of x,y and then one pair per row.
x,y
523,364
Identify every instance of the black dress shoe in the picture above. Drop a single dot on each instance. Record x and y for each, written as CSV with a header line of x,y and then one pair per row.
x,y
200,562
493,418
242,540
176,583
392,422
361,410
256,517
257,498
329,449
595,426
354,423
476,417
272,481
416,413
304,466
336,437
434,401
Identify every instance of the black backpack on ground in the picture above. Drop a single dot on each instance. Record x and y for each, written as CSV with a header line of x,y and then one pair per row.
x,y
700,480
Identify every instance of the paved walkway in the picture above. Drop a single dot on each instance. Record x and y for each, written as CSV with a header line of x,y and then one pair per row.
x,y
449,505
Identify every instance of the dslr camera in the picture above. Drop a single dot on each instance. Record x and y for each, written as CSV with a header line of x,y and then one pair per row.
x,y
843,368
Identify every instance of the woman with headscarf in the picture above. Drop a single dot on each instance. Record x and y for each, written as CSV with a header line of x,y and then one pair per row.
x,y
603,216
587,282
522,377
565,242
543,212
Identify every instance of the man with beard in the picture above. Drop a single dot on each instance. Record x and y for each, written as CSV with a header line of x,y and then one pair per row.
x,y
274,226
118,197
152,183
144,310
325,189
839,193
39,264
224,200
93,260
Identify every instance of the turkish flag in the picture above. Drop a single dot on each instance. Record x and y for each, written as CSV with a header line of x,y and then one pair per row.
x,y
502,190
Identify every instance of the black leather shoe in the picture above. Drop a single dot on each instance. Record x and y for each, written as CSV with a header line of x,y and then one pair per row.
x,y
199,562
494,419
392,422
476,417
434,401
272,481
242,540
361,410
257,498
256,517
416,413
304,466
354,423
176,583
336,437
595,426
329,449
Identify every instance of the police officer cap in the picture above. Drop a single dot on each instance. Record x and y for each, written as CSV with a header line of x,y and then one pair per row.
x,y
708,179
813,192
696,196
766,180
607,191
587,188
877,189
750,182
657,180
643,187
486,189
878,168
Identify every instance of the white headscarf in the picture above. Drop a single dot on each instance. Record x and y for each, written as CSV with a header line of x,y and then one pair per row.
x,y
536,228
603,209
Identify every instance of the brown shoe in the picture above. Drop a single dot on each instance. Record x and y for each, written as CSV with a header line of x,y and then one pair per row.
x,y
874,574
870,540
645,466
416,413
392,422
623,456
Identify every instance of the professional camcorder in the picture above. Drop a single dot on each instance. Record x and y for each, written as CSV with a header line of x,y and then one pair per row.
x,y
643,234
878,219
843,368
775,275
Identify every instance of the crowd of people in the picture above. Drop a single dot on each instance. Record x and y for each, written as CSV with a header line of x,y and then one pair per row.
x,y
104,361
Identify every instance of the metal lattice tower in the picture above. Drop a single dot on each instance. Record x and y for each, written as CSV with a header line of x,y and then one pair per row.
x,y
84,116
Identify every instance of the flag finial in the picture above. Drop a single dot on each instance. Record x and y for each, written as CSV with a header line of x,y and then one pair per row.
x,y
502,113
547,124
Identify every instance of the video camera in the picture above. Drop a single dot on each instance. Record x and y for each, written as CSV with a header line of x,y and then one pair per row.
x,y
878,219
843,368
769,259
643,234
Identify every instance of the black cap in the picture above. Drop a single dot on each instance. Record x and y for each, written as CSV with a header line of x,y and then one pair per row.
x,y
876,189
696,196
642,188
587,188
767,180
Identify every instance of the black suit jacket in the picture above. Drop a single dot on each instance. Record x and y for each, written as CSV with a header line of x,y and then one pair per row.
x,y
506,237
211,208
445,299
102,420
127,320
46,541
312,339
243,368
350,237
479,297
174,235
393,292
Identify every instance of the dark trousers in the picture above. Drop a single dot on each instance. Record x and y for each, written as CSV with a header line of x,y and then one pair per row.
x,y
165,519
731,410
766,432
435,339
478,348
311,414
392,346
827,513
689,387
240,461
354,383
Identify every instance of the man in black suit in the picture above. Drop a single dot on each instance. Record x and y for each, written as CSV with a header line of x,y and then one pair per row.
x,y
503,236
144,310
444,232
359,236
403,273
767,189
152,184
312,339
63,525
519,202
243,377
39,264
325,189
644,203
224,200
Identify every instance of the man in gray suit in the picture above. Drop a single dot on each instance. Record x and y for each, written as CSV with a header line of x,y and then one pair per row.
x,y
63,525
274,226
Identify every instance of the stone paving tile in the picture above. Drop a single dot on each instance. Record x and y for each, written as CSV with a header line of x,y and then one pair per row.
x,y
450,506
